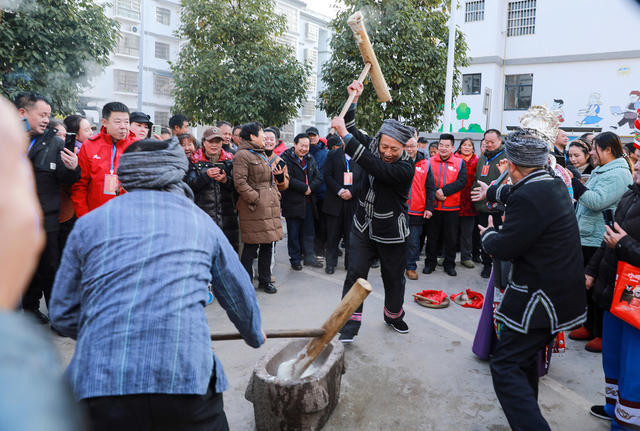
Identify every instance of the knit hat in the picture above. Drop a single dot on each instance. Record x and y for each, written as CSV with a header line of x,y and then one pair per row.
x,y
526,150
154,165
396,130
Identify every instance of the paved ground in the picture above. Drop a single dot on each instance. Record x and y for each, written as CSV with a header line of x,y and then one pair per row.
x,y
425,380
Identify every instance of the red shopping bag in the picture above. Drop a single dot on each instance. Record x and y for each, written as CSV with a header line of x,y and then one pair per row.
x,y
626,296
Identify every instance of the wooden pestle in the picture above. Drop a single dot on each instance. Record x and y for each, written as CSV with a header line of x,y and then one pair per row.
x,y
277,333
351,301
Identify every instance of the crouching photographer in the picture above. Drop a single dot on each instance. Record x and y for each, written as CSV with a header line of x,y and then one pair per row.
x,y
620,340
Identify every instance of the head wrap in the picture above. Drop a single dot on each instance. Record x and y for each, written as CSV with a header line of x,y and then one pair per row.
x,y
396,130
524,149
155,165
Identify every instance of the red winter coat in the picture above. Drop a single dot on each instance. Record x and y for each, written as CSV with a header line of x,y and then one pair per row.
x,y
451,176
280,148
466,206
94,159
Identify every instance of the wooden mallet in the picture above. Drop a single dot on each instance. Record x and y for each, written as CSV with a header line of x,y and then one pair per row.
x,y
371,65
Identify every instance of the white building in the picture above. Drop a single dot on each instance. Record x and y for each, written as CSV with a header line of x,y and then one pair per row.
x,y
308,34
578,57
147,43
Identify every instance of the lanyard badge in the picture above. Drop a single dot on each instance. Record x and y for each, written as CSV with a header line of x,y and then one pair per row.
x,y
111,183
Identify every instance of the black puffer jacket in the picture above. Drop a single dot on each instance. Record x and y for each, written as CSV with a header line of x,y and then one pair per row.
x,y
50,173
604,263
216,199
294,198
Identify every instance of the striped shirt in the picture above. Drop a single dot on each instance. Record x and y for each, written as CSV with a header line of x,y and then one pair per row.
x,y
132,287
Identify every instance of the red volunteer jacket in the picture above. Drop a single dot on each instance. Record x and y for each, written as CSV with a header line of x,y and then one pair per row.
x,y
417,201
451,177
94,159
280,148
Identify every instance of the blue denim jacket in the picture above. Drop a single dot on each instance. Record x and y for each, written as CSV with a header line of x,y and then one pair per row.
x,y
132,287
33,393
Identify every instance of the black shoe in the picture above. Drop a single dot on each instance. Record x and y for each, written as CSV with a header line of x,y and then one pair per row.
x,y
486,271
376,263
349,332
330,269
41,318
268,287
314,263
296,266
451,271
398,325
598,411
428,270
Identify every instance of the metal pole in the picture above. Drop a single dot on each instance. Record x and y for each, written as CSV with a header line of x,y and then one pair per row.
x,y
448,89
141,59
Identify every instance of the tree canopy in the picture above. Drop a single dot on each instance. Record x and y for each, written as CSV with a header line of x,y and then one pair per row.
x,y
232,67
54,47
410,39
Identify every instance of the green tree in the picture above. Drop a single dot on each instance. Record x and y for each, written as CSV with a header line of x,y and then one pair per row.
x,y
462,112
232,67
54,47
409,38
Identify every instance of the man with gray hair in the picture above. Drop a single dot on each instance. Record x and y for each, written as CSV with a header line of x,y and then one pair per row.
x,y
380,224
545,291
134,295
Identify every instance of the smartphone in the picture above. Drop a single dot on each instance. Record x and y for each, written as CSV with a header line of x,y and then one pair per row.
x,y
27,126
70,142
281,164
156,130
608,217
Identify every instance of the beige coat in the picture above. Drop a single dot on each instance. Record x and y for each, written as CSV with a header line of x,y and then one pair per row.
x,y
259,202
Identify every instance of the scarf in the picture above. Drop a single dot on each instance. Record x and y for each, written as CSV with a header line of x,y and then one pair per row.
x,y
162,169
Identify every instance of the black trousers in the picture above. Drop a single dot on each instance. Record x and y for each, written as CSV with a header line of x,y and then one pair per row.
x,y
42,280
263,252
320,227
339,227
442,225
514,370
142,412
595,314
393,258
483,220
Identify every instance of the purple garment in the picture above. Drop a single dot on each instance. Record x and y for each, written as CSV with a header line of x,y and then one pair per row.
x,y
78,146
485,339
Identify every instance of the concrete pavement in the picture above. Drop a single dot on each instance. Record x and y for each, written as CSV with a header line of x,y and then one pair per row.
x,y
425,380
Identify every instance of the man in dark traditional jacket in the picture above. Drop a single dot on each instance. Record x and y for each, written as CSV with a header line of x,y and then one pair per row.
x,y
380,225
545,292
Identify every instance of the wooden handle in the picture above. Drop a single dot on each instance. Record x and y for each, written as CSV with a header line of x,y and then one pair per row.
x,y
277,333
351,301
352,96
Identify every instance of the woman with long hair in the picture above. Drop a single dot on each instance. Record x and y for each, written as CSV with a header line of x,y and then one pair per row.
x,y
602,191
579,155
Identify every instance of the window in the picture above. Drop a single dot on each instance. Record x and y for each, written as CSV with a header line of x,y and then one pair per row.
x,y
311,57
287,39
312,87
471,83
161,85
474,11
312,32
128,44
291,14
163,16
517,92
521,18
128,9
161,118
126,81
162,50
309,108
